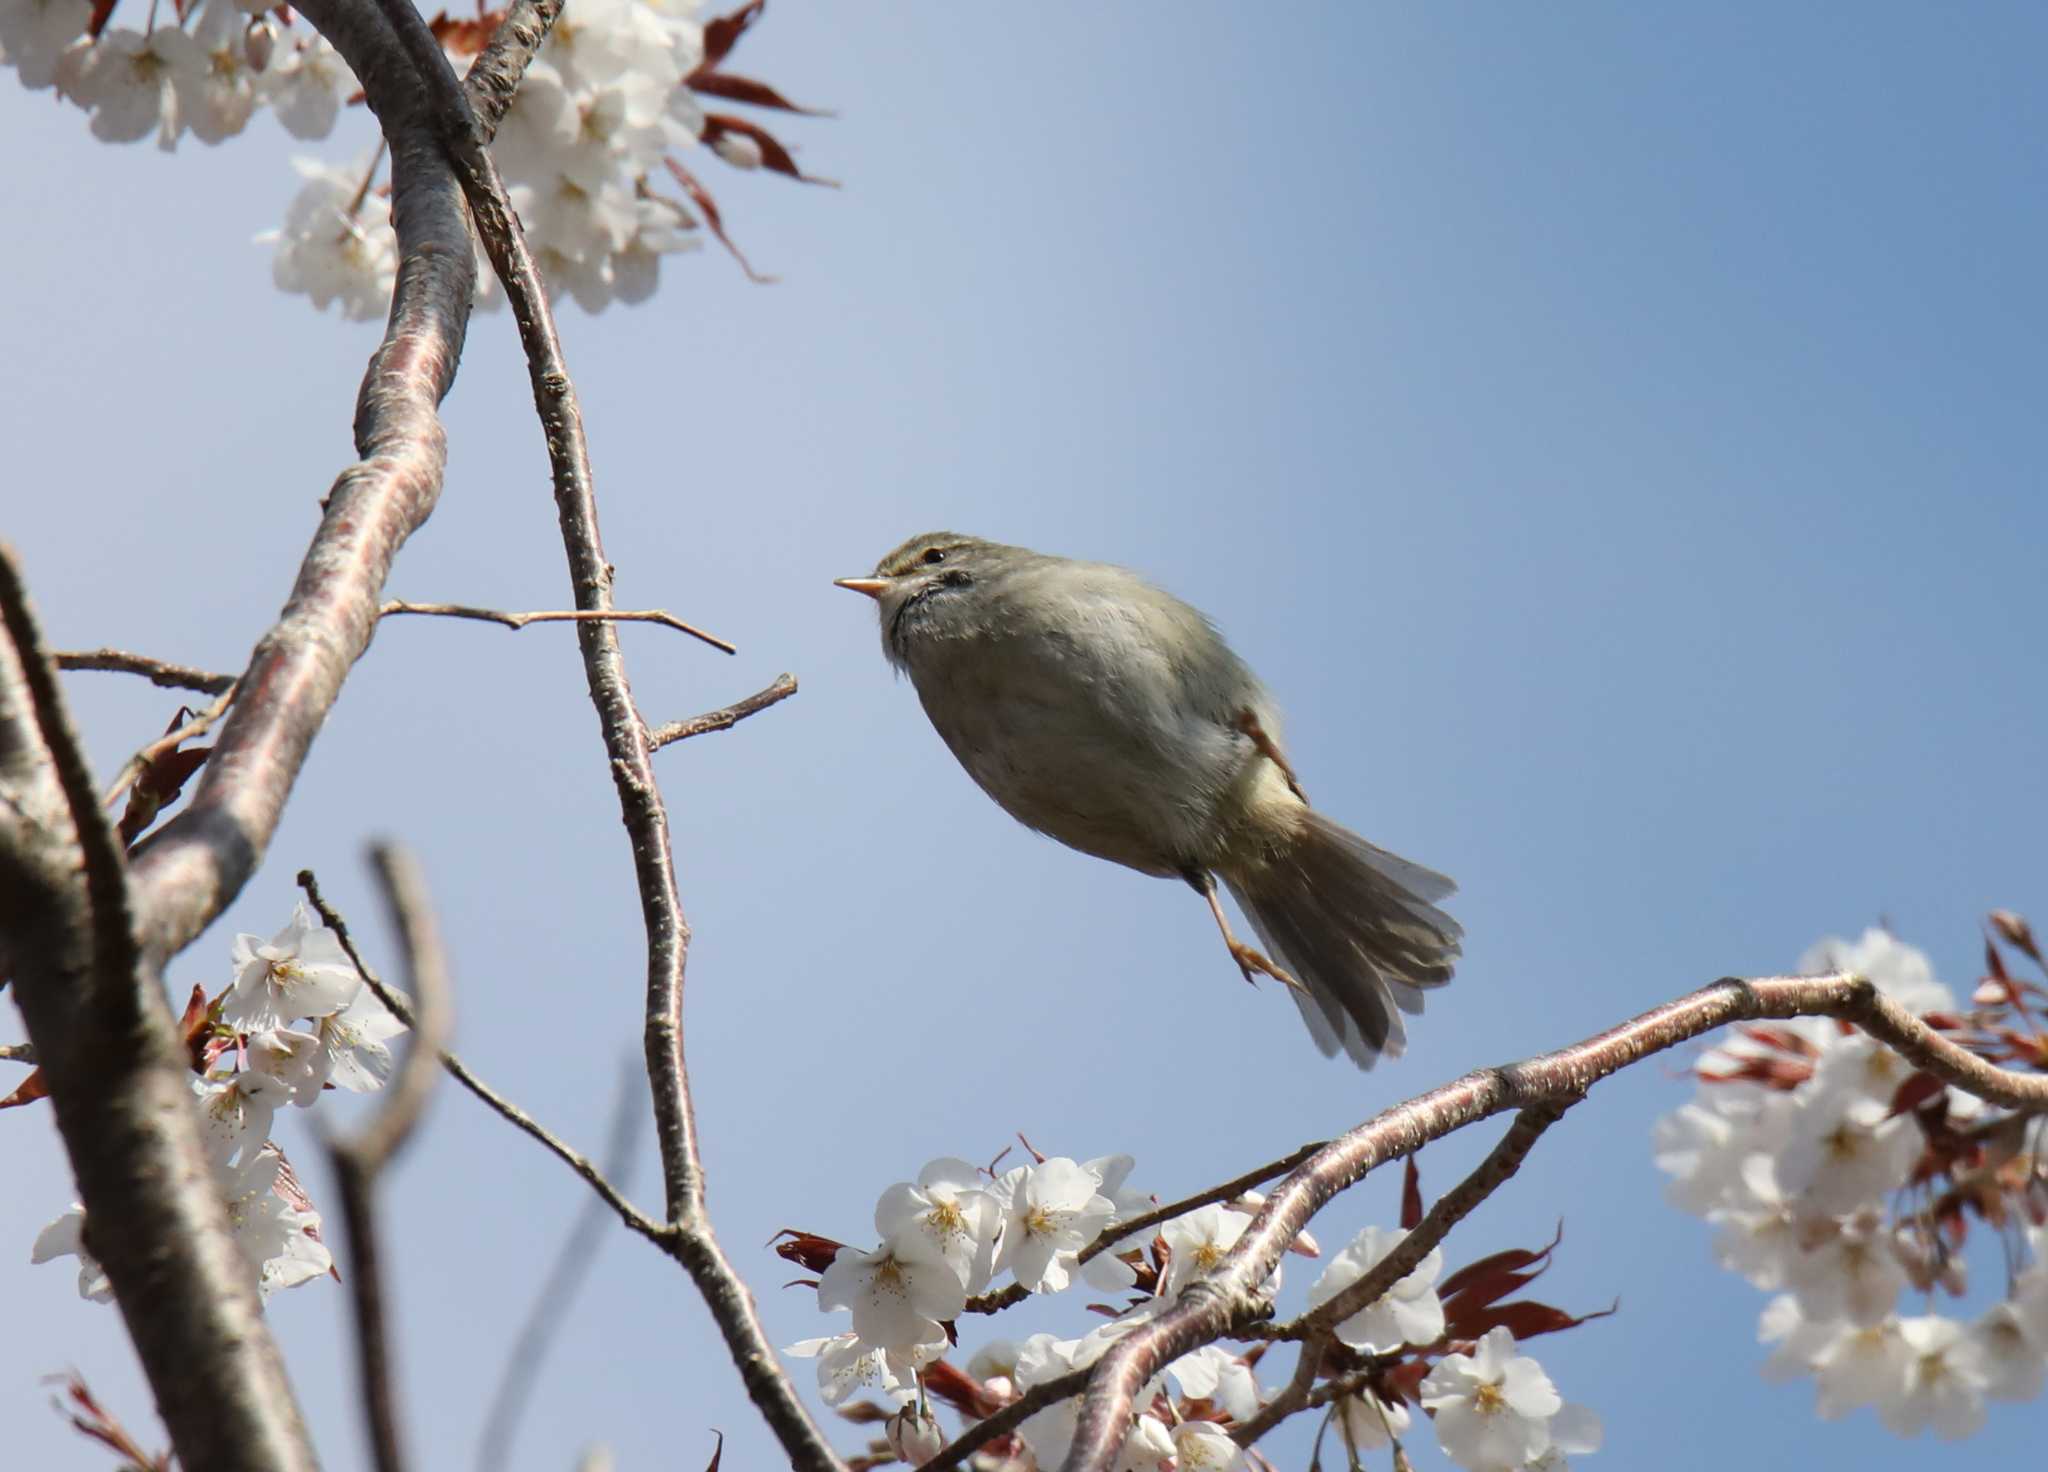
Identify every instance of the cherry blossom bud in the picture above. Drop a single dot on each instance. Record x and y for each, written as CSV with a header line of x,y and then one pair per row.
x,y
258,42
914,1435
1989,993
2015,930
738,150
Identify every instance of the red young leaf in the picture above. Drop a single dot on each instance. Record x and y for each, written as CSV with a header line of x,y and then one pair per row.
x,y
1511,1261
1525,1319
959,1390
97,22
805,1249
1411,1196
720,35
717,1451
465,36
27,1091
745,89
701,197
1915,1091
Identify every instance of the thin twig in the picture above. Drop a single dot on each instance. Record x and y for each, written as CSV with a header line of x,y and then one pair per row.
x,y
556,616
1292,1397
724,718
1115,1232
1008,1419
628,1213
360,1162
158,671
551,1304
694,1244
1207,1308
18,1053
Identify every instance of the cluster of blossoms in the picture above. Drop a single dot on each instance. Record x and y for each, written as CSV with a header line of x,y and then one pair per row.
x,y
594,132
1846,1182
248,1061
1448,1348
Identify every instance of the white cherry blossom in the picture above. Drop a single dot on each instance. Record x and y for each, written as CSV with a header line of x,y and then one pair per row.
x,y
952,1212
132,83
354,1043
34,33
1198,1243
1493,1406
65,1237
1408,1313
1051,1211
898,1298
846,1365
1369,1423
1203,1446
1944,1381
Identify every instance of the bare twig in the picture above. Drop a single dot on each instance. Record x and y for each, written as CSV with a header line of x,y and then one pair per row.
x,y
461,1072
557,616
1207,1308
550,1305
18,1053
1292,1397
694,1244
1008,1419
158,671
724,718
359,1162
1115,1232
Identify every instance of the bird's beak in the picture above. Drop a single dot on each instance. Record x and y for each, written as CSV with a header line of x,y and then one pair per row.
x,y
873,587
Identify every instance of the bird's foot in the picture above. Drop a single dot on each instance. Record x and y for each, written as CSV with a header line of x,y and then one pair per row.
x,y
1253,963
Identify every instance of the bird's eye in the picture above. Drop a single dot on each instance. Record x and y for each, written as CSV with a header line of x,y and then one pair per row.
x,y
933,556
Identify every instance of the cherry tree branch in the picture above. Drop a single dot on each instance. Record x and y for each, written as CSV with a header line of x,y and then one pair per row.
x,y
557,616
626,746
120,1087
188,871
157,671
361,1161
1208,1308
495,75
725,717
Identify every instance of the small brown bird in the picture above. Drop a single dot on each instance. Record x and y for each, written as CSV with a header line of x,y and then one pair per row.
x,y
1111,716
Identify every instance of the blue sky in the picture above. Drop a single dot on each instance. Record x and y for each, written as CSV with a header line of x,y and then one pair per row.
x,y
1613,432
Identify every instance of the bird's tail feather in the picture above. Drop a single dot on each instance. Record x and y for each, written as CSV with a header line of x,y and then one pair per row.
x,y
1358,927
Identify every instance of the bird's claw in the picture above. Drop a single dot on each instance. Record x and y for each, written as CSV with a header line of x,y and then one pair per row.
x,y
1254,963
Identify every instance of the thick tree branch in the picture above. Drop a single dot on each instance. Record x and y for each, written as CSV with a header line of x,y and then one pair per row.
x,y
626,746
360,1162
121,1090
187,872
725,717
1207,1308
494,76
